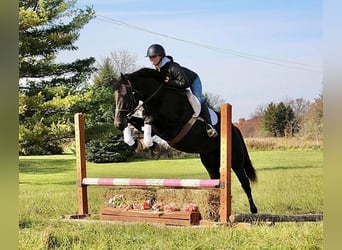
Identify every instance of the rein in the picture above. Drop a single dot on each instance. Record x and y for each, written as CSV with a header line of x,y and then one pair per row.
x,y
129,115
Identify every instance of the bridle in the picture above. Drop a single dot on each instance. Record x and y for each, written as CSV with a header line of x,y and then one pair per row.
x,y
132,100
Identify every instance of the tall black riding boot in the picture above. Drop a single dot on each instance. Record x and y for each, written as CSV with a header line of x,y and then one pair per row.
x,y
211,131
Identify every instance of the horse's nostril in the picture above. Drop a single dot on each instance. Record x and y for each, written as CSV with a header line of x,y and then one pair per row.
x,y
117,124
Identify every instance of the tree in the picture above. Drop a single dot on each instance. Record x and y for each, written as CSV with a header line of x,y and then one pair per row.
x,y
109,69
50,92
46,27
313,120
123,61
105,74
258,120
214,101
300,107
102,113
279,119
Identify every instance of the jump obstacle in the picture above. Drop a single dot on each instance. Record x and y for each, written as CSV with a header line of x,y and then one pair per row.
x,y
180,218
224,183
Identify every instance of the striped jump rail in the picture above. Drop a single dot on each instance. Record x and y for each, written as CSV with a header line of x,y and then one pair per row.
x,y
180,183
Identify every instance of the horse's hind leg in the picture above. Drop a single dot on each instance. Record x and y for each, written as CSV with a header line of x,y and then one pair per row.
x,y
211,162
245,184
238,161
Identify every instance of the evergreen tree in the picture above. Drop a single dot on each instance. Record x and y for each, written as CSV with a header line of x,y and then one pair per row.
x,y
50,92
279,119
108,70
45,28
101,116
105,75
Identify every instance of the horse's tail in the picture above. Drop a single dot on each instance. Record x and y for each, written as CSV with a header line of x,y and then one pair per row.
x,y
249,169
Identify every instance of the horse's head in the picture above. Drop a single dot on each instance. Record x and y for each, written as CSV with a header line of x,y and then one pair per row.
x,y
124,101
144,84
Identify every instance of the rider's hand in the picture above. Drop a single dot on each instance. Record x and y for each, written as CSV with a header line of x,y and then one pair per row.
x,y
167,79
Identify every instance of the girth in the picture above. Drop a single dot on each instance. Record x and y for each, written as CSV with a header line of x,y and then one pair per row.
x,y
183,131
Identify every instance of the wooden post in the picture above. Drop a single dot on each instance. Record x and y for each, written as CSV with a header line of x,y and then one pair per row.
x,y
226,163
81,172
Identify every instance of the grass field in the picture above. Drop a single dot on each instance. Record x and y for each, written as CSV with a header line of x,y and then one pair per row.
x,y
290,182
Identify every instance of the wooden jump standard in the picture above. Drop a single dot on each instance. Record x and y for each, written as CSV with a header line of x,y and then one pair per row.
x,y
224,183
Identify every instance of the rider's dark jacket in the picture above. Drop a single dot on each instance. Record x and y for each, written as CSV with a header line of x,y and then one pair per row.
x,y
179,76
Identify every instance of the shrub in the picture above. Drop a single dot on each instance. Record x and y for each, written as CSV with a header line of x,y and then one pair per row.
x,y
39,140
260,144
110,149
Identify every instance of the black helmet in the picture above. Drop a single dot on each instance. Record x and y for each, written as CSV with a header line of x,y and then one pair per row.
x,y
155,50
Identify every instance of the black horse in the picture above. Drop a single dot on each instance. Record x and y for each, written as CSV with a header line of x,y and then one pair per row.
x,y
171,111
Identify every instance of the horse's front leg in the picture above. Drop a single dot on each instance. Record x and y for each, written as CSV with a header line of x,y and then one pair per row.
x,y
148,142
128,138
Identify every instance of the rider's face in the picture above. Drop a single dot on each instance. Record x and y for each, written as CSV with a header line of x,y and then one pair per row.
x,y
155,60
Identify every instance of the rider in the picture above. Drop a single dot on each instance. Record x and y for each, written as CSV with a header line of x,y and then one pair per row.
x,y
178,76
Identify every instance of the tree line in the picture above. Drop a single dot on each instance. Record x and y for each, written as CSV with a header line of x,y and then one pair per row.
x,y
294,117
50,93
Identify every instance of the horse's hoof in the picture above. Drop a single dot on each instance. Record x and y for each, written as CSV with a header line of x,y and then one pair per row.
x,y
135,145
154,146
254,211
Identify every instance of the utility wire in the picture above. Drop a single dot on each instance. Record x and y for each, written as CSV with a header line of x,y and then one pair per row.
x,y
278,62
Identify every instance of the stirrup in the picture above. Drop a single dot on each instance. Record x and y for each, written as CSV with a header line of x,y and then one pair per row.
x,y
211,131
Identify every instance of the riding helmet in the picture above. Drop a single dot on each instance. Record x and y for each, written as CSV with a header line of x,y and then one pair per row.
x,y
155,50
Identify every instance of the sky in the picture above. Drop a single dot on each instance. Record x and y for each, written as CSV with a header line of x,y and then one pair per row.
x,y
247,52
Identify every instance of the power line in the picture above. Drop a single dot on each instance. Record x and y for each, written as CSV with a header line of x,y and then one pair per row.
x,y
278,62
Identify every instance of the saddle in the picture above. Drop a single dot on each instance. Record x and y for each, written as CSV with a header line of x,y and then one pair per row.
x,y
196,106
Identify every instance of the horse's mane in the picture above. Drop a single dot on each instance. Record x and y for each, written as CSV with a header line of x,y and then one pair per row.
x,y
147,73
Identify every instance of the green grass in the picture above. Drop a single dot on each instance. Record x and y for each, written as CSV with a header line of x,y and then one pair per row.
x,y
65,235
290,182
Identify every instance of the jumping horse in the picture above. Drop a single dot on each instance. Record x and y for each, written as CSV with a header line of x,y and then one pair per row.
x,y
171,112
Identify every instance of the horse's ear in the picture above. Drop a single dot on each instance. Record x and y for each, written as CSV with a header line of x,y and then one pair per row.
x,y
123,76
